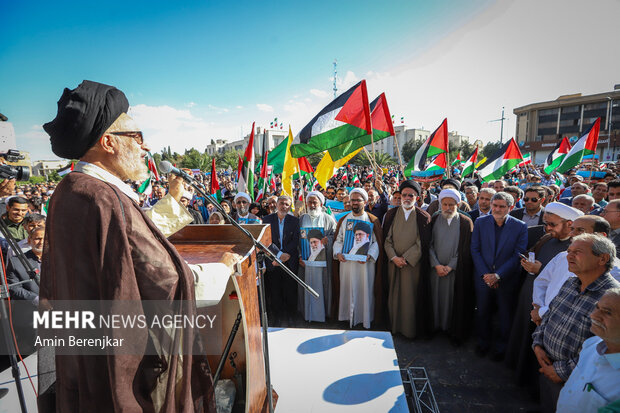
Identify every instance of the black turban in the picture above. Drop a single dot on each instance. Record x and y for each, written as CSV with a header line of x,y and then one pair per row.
x,y
84,113
411,184
362,226
315,233
456,184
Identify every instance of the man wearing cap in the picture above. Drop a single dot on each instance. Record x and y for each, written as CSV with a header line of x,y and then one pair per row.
x,y
496,243
319,278
406,248
117,253
452,288
558,219
196,215
356,280
243,215
445,184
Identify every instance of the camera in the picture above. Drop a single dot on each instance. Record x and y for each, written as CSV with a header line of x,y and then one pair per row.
x,y
18,172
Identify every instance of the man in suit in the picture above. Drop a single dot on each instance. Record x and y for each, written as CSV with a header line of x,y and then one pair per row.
x,y
532,213
484,204
281,289
496,243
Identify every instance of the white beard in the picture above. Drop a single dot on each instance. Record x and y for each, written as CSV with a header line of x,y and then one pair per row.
x,y
314,213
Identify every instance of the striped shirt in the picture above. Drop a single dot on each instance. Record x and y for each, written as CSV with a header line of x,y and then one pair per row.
x,y
566,325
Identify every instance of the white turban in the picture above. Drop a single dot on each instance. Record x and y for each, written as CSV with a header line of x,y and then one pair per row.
x,y
360,191
563,211
242,195
187,195
450,193
316,194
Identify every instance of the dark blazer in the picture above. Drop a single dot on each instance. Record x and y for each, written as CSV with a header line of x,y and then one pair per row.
x,y
474,215
518,213
16,272
505,261
290,240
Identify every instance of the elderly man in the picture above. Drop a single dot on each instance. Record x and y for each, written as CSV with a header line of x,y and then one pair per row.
x,y
318,277
584,203
558,219
196,215
243,215
281,288
471,194
117,253
406,248
594,381
451,282
377,201
496,243
356,302
578,188
445,184
272,204
484,204
564,328
16,272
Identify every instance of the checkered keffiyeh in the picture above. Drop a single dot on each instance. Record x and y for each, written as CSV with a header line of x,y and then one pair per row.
x,y
566,325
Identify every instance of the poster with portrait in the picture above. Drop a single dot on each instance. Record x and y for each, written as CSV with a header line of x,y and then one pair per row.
x,y
313,252
357,238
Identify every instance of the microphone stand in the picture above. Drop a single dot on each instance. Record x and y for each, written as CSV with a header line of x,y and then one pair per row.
x,y
261,250
4,316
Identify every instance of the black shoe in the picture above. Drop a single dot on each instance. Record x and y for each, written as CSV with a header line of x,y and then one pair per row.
x,y
497,356
481,351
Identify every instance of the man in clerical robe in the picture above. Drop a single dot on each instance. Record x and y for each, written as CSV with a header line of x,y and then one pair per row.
x,y
243,215
357,279
118,252
404,251
316,309
452,288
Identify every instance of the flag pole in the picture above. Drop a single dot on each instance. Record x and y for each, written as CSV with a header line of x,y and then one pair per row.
x,y
372,141
400,159
373,163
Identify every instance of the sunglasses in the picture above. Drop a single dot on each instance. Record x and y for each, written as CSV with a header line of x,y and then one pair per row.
x,y
137,135
531,199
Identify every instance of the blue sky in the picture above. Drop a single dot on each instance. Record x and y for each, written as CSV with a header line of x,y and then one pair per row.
x,y
202,69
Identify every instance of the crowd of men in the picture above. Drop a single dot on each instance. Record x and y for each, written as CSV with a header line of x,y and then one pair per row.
x,y
526,266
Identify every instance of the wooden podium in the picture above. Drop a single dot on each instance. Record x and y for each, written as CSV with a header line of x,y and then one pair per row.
x,y
207,243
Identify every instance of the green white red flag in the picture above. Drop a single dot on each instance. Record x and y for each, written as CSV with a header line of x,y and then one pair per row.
x,y
246,175
470,166
503,161
586,145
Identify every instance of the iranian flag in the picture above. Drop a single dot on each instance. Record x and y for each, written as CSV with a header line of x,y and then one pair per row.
x,y
370,175
146,187
435,144
346,118
470,166
215,185
504,160
586,145
382,127
458,160
527,160
356,179
345,176
246,174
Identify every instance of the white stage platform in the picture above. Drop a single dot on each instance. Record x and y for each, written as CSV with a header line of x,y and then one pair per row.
x,y
335,371
10,402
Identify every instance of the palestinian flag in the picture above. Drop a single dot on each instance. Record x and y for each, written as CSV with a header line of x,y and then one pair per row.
x,y
304,168
527,160
435,144
382,128
506,158
215,185
438,163
276,158
586,145
458,160
346,118
239,167
246,175
470,166
66,169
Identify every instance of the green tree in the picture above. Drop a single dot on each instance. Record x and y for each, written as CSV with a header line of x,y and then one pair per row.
x,y
490,148
226,159
410,148
193,159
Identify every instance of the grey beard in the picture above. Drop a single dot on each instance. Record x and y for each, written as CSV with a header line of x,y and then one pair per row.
x,y
314,212
448,215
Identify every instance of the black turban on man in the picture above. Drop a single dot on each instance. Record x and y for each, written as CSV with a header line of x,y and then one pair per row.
x,y
362,226
411,184
84,114
451,181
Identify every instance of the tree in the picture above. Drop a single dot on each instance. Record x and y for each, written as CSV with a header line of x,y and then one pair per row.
x,y
490,148
192,159
382,159
226,159
410,148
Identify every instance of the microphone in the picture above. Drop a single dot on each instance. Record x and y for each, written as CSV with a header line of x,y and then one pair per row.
x,y
167,168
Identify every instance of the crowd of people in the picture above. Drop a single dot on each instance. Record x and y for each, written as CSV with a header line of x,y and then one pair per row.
x,y
525,264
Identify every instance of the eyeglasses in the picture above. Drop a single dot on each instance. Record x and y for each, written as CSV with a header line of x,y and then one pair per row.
x,y
531,199
137,135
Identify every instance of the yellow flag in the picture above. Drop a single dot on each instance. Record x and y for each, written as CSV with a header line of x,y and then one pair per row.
x,y
483,160
290,167
326,168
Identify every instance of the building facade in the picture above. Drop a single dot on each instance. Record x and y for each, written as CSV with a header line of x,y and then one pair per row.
x,y
540,126
44,168
269,137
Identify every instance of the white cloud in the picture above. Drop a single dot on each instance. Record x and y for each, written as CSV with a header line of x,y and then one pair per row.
x,y
263,107
190,104
238,107
319,93
217,109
